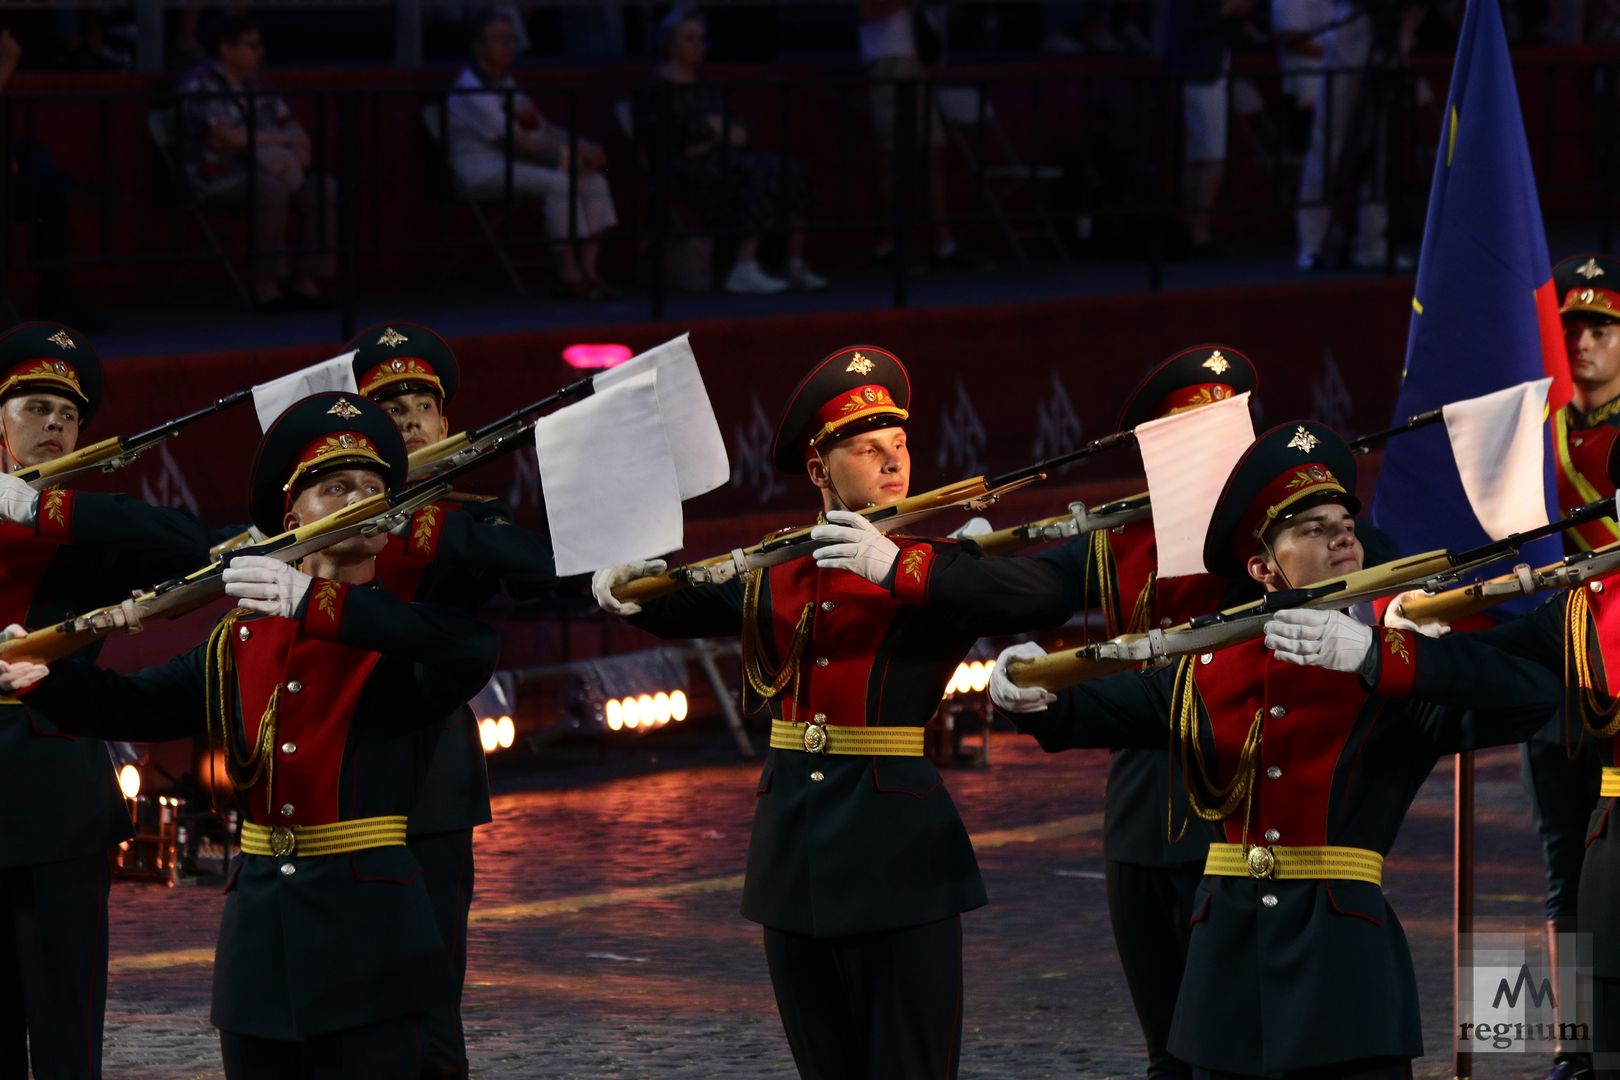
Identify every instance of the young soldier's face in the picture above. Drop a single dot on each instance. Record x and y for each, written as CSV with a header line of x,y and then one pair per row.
x,y
36,428
869,469
1319,544
418,418
332,491
1594,351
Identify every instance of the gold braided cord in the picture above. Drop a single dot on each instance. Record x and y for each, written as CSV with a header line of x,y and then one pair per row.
x,y
1581,694
1184,701
757,676
1142,614
1100,554
245,766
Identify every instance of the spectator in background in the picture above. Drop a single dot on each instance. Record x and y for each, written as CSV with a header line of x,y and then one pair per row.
x,y
1298,26
219,151
479,127
1195,36
711,165
892,54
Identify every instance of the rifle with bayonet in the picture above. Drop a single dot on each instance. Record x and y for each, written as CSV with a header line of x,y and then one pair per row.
x,y
1570,572
975,493
510,431
368,517
111,454
1434,570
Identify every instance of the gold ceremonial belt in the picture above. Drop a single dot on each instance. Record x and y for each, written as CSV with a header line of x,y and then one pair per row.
x,y
1610,784
338,838
1284,863
843,739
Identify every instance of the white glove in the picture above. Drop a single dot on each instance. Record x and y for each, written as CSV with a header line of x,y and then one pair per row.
x,y
974,526
1395,616
858,546
1325,639
21,675
265,584
1018,699
19,503
605,580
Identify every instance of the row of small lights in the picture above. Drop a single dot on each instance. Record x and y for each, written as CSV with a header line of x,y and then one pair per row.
x,y
645,711
497,733
971,677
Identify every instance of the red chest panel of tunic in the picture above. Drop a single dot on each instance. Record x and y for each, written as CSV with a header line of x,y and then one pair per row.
x,y
317,685
1587,453
406,559
1308,717
1175,600
23,561
850,617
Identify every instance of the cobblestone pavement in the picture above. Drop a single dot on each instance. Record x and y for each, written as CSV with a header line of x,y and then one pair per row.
x,y
606,939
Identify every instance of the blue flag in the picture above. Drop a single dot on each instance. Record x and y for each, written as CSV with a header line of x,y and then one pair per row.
x,y
1485,314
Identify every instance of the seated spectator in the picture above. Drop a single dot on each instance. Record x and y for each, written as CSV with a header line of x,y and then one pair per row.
x,y
214,146
541,169
733,186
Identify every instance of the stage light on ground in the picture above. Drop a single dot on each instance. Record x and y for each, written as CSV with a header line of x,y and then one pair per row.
x,y
661,710
505,732
129,781
645,712
613,713
979,675
488,735
592,357
677,705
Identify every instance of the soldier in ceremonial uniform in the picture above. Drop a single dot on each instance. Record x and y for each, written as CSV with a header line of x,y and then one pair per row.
x,y
61,551
1577,636
328,694
859,867
458,551
1151,878
1304,759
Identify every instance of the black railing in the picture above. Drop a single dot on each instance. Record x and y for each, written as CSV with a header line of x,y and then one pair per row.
x,y
1067,155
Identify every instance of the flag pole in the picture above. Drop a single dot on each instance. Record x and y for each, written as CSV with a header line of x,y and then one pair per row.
x,y
1462,895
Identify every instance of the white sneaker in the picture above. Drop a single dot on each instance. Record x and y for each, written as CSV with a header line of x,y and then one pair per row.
x,y
800,276
748,278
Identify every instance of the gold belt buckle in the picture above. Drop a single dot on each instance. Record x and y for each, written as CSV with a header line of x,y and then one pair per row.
x,y
1261,862
815,738
283,841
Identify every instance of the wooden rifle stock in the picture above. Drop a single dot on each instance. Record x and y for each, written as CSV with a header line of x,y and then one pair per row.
x,y
430,455
1458,603
85,457
1061,670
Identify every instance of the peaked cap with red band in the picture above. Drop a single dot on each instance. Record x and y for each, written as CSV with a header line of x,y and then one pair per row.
x,y
53,358
856,389
1284,472
326,431
1192,377
1588,287
402,358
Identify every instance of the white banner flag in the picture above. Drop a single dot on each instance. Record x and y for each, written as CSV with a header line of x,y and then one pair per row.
x,y
271,399
1499,445
1188,457
689,424
610,484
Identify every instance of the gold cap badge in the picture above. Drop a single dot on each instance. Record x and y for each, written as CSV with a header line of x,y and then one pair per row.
x,y
1217,363
343,408
392,338
1589,269
61,340
1303,441
860,365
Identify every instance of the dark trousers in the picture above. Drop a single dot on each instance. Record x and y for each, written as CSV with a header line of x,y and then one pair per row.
x,y
1150,908
1606,1028
387,1050
447,871
53,968
1365,1069
884,1006
1562,795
